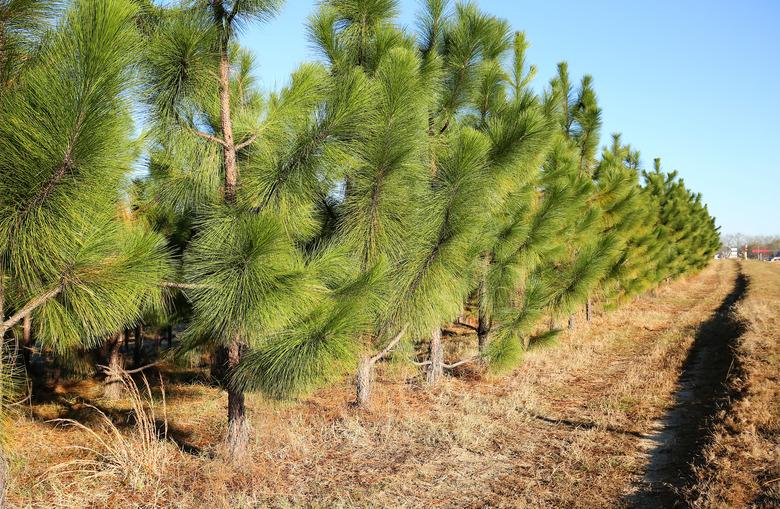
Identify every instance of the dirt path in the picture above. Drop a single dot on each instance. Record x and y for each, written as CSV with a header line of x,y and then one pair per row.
x,y
678,438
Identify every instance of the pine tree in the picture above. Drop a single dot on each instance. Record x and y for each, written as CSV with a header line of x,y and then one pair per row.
x,y
687,232
550,256
66,146
379,109
240,266
625,213
405,200
259,259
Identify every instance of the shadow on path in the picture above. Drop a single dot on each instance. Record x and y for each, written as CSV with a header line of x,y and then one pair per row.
x,y
701,393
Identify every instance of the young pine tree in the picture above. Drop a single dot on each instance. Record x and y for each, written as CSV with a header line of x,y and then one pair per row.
x,y
71,270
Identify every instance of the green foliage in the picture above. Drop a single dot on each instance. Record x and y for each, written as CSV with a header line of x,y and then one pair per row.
x,y
66,147
517,323
248,277
320,346
308,141
435,276
546,339
377,214
24,24
503,354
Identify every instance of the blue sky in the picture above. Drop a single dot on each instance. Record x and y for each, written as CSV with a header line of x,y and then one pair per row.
x,y
694,82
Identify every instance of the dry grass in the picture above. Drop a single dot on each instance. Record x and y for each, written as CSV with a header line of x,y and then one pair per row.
x,y
109,460
742,463
561,431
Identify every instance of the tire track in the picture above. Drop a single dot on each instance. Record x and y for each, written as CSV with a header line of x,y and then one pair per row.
x,y
679,437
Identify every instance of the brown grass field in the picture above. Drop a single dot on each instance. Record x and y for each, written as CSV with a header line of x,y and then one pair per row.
x,y
569,428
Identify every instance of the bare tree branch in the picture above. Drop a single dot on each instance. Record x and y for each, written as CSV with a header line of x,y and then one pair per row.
x,y
390,345
246,142
207,136
106,369
464,324
460,363
183,286
28,308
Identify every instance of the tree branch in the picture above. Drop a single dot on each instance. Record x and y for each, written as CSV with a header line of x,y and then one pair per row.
x,y
183,286
28,308
246,142
390,345
467,325
460,363
106,369
207,136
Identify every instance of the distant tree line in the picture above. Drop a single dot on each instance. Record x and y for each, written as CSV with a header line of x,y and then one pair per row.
x,y
404,181
739,240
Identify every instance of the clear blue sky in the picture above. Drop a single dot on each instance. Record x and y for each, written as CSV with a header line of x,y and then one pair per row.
x,y
694,82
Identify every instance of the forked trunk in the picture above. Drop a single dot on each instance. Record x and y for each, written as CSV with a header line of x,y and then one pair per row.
x,y
363,381
436,357
365,369
237,439
113,381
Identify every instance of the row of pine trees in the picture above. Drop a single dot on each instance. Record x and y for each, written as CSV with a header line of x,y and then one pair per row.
x,y
404,181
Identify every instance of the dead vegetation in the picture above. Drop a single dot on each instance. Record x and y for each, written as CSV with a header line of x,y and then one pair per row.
x,y
562,431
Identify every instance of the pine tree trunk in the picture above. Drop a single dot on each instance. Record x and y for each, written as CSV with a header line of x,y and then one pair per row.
x,y
113,381
138,345
27,342
363,381
229,148
238,426
483,321
588,310
436,357
219,361
169,335
483,333
571,322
